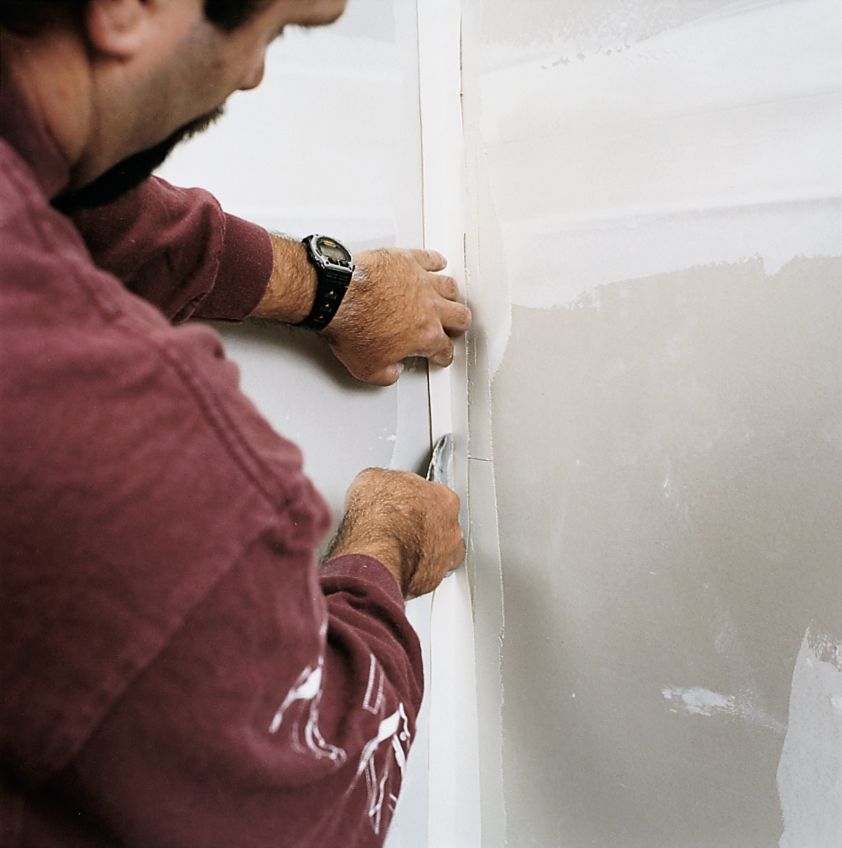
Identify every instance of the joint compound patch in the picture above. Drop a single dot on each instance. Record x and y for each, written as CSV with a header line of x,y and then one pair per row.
x,y
698,701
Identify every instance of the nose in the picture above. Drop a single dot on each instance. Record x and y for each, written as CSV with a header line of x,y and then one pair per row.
x,y
255,77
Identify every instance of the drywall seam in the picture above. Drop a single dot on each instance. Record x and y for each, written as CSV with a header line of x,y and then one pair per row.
x,y
488,293
489,624
454,804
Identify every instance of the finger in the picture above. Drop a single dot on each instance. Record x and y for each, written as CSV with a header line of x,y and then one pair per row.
x,y
444,355
446,286
455,318
448,496
459,555
385,376
423,584
429,260
431,577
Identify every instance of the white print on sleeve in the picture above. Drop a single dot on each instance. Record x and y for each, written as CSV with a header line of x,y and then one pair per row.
x,y
373,700
303,702
394,731
392,735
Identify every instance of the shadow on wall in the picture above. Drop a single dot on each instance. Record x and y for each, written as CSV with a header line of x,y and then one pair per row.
x,y
668,463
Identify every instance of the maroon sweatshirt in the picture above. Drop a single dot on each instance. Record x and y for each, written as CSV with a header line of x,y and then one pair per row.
x,y
174,671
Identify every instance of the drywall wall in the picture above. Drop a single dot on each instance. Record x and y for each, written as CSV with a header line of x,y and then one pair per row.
x,y
654,249
453,754
280,158
277,158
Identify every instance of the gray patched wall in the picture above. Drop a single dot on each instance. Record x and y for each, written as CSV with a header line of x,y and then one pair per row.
x,y
656,420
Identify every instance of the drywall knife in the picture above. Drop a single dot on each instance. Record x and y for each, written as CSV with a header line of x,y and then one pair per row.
x,y
441,466
441,462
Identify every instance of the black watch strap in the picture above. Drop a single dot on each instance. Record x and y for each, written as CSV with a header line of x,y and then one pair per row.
x,y
331,286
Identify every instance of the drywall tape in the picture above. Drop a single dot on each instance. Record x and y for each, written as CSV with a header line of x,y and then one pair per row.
x,y
454,803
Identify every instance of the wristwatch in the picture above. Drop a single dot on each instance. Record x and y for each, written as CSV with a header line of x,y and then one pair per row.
x,y
334,268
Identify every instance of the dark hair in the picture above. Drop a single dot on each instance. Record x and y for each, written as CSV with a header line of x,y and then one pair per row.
x,y
229,14
28,17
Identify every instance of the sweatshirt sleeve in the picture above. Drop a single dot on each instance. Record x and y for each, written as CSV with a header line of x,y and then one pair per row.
x,y
177,249
176,670
281,714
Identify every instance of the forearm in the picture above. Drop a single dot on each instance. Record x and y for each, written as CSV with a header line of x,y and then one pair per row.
x,y
292,284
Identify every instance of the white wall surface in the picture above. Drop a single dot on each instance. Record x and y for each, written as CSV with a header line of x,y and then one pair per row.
x,y
655,266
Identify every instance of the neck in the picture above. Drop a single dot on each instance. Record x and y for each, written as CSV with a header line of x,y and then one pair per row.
x,y
50,70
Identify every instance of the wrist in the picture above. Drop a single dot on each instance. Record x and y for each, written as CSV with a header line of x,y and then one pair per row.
x,y
291,289
380,546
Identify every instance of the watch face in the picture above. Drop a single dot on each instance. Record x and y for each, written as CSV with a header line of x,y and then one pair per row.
x,y
332,250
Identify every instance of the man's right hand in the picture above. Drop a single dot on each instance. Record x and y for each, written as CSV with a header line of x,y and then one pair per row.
x,y
397,306
406,522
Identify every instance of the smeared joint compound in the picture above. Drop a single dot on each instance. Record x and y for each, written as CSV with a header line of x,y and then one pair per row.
x,y
825,648
698,701
810,769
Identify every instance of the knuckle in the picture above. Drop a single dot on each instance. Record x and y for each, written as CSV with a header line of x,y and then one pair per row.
x,y
444,355
448,287
460,318
406,481
460,553
449,500
431,337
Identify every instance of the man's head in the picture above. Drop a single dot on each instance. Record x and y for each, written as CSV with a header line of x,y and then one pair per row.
x,y
120,82
28,17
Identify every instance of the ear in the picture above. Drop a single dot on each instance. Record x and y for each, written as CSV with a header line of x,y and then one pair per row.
x,y
118,28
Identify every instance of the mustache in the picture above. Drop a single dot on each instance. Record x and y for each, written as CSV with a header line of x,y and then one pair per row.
x,y
131,171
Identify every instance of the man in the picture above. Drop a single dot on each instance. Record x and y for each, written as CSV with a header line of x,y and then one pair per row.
x,y
175,671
